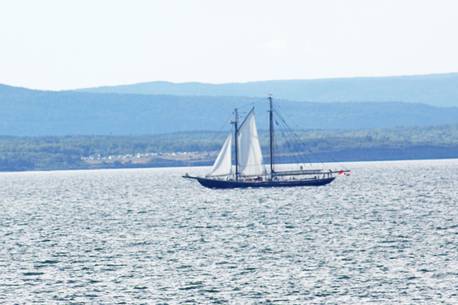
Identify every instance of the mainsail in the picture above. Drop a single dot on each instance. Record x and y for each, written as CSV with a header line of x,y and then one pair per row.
x,y
249,149
223,163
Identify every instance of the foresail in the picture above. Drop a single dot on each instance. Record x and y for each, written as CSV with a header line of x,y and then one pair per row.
x,y
223,163
249,149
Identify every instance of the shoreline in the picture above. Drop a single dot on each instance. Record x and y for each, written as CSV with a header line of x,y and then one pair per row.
x,y
208,165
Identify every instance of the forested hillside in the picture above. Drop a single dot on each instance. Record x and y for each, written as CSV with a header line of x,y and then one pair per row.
x,y
199,148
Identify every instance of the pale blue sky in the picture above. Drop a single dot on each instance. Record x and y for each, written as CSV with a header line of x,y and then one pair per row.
x,y
62,44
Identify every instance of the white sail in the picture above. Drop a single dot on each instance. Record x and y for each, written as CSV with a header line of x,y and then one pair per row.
x,y
223,163
249,149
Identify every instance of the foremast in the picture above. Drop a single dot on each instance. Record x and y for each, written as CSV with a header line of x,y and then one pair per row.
x,y
235,122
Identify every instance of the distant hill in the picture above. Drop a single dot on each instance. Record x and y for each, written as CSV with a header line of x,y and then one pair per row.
x,y
434,89
10,91
26,112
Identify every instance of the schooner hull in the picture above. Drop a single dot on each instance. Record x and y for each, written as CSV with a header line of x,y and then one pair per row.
x,y
224,184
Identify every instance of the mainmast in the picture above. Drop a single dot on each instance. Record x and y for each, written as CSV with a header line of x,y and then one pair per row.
x,y
236,133
271,137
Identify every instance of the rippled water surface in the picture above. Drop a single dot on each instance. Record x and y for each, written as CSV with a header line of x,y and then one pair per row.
x,y
388,234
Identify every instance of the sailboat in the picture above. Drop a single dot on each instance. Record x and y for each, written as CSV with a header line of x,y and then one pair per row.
x,y
249,170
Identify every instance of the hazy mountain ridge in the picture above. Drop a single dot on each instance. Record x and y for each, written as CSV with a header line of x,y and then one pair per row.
x,y
433,89
25,112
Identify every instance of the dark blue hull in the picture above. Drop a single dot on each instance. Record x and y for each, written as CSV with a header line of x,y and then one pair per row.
x,y
222,184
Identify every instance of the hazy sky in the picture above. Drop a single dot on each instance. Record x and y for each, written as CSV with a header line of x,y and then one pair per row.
x,y
60,44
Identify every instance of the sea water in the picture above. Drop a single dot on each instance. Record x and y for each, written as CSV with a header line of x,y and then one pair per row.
x,y
387,234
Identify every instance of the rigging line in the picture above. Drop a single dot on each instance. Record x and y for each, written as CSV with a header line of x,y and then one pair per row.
x,y
246,117
293,148
321,161
294,134
290,147
245,107
332,159
219,132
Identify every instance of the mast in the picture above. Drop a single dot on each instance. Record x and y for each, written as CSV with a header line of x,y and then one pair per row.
x,y
271,136
236,132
